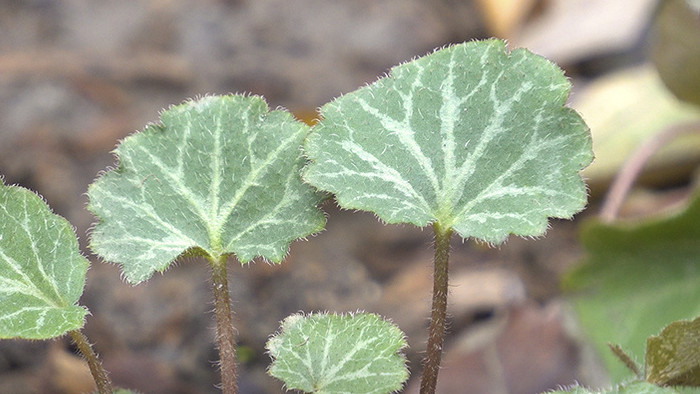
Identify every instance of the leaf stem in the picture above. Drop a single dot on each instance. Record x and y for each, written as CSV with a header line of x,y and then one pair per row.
x,y
224,325
104,385
436,333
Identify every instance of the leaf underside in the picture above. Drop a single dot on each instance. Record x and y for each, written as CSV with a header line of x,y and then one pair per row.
x,y
42,273
217,176
328,353
470,136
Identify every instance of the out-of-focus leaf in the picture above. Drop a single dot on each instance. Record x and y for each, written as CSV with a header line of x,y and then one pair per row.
x,y
636,279
673,356
570,31
626,108
675,47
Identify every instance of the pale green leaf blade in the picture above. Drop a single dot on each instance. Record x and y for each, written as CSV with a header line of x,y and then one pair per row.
x,y
42,273
470,136
217,176
328,353
673,356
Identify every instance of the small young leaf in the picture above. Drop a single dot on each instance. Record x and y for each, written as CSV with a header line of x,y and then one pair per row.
x,y
470,136
42,273
220,175
324,353
673,357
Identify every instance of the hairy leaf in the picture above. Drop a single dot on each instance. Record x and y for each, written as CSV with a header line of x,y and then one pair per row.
x,y
470,136
636,387
673,356
325,353
42,273
217,176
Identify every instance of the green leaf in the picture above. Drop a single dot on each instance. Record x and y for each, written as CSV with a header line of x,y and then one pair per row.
x,y
325,353
218,176
636,387
673,357
636,278
42,273
470,136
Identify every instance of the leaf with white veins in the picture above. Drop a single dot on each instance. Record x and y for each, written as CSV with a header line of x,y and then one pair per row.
x,y
42,273
218,176
328,353
470,136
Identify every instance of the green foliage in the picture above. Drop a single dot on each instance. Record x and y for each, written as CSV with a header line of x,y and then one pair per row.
x,y
470,136
42,273
218,176
636,279
326,353
636,387
673,356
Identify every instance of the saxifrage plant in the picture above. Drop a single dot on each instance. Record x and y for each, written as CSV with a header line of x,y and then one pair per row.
x,y
218,176
470,139
42,275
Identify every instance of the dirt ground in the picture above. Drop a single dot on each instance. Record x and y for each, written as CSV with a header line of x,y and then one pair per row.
x,y
77,76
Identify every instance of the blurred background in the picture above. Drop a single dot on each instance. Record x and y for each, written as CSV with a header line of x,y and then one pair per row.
x,y
76,76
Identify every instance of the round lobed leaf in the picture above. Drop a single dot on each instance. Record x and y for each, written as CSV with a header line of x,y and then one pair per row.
x,y
327,353
219,175
42,273
470,136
